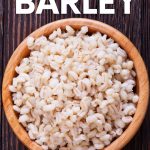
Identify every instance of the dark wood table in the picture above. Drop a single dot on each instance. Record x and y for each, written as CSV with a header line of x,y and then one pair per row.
x,y
14,28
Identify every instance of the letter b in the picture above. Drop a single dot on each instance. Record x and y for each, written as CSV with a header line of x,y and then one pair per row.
x,y
19,9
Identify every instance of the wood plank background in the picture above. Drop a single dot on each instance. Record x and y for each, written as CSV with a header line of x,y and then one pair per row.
x,y
14,28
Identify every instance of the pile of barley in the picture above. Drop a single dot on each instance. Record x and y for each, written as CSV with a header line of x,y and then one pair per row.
x,y
74,91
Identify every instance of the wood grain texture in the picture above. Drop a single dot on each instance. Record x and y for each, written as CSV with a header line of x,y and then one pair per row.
x,y
1,70
14,28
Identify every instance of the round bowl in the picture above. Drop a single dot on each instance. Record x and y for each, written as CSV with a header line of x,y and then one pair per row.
x,y
22,51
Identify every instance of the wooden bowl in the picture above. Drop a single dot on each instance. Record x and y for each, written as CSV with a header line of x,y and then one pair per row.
x,y
22,51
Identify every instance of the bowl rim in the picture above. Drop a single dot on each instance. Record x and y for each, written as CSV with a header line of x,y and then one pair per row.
x,y
121,39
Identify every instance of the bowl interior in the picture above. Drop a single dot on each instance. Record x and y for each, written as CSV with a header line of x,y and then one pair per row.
x,y
94,26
